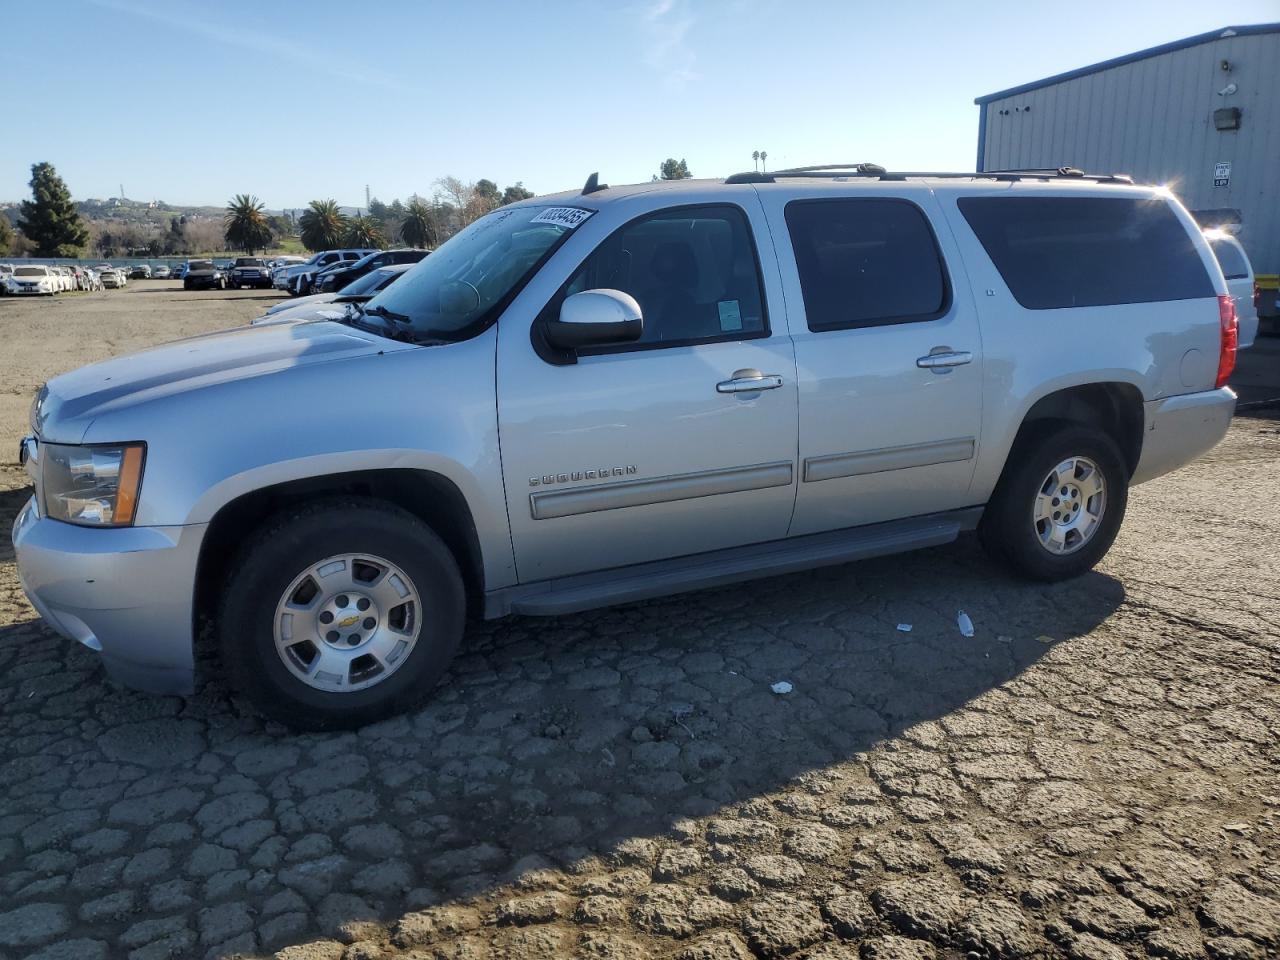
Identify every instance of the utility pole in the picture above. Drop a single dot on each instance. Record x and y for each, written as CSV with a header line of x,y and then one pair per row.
x,y
366,196
122,192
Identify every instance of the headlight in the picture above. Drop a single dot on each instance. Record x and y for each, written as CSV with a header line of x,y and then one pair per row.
x,y
92,485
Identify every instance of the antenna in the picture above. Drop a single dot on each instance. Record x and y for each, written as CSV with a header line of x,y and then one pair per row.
x,y
593,185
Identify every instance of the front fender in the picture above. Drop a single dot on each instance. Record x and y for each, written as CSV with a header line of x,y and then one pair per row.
x,y
431,409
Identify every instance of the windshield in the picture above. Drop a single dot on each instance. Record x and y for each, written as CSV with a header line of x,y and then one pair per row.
x,y
459,289
200,265
249,262
31,272
370,283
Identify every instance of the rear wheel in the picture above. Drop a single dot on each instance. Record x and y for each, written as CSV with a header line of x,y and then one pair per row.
x,y
341,613
1059,505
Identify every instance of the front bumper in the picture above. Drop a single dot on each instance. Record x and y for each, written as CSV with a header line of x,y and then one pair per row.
x,y
126,592
1179,429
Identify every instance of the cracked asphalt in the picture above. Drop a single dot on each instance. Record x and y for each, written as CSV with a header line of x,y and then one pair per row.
x,y
1094,775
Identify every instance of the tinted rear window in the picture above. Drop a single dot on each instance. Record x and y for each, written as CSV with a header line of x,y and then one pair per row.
x,y
1088,251
1231,258
865,262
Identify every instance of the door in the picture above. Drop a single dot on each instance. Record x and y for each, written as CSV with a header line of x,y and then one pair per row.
x,y
678,444
888,352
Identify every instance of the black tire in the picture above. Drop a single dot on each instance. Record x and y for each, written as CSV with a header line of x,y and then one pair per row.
x,y
1008,531
282,549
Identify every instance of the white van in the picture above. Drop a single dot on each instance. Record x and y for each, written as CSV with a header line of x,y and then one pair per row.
x,y
1239,275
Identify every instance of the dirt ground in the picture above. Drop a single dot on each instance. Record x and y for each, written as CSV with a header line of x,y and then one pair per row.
x,y
1094,775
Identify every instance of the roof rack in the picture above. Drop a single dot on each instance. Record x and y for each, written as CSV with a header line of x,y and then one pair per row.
x,y
835,171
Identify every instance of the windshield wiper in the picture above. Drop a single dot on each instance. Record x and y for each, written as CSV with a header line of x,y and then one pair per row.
x,y
381,311
404,333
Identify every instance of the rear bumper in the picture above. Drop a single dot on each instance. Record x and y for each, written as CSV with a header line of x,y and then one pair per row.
x,y
1179,429
125,592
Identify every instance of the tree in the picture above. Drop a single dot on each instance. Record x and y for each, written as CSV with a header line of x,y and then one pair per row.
x,y
378,210
416,228
516,192
245,226
487,196
363,232
673,169
49,219
6,234
322,225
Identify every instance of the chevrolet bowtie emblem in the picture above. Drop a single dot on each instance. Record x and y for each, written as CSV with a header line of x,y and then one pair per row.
x,y
348,621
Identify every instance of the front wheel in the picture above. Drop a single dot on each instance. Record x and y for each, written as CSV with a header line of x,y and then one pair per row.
x,y
1058,507
341,613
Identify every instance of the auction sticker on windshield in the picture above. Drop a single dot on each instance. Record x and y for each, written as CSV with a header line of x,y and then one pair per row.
x,y
565,216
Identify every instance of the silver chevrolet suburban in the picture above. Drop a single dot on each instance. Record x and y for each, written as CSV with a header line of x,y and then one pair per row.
x,y
614,394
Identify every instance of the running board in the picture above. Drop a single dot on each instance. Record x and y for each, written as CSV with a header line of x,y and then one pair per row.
x,y
661,578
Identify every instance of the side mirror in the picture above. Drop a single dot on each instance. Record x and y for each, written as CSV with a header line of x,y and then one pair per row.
x,y
595,318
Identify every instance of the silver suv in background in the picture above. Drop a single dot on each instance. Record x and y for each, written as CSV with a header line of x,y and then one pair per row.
x,y
598,397
299,279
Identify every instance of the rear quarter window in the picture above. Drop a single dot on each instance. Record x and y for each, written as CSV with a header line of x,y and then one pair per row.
x,y
1055,252
1231,258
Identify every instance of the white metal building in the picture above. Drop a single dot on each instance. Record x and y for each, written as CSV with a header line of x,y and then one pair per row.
x,y
1201,115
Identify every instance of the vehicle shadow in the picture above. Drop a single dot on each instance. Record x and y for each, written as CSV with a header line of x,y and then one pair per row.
x,y
11,501
554,741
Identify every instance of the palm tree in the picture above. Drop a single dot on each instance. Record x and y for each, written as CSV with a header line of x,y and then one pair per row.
x,y
322,225
245,226
363,232
416,230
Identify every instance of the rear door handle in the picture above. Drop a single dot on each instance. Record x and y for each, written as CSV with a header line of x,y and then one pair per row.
x,y
950,358
749,381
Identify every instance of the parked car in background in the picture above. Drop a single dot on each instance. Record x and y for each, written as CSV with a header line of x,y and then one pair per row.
x,y
340,274
34,280
178,272
160,273
203,275
299,279
279,270
603,397
6,271
250,272
360,291
1239,276
140,271
112,277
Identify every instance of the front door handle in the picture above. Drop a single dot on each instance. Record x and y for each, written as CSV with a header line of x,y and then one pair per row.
x,y
949,358
749,381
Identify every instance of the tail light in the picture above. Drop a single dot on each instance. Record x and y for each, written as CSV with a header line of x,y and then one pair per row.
x,y
1230,338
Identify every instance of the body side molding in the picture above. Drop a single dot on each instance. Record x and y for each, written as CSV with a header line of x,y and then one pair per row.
x,y
888,458
547,505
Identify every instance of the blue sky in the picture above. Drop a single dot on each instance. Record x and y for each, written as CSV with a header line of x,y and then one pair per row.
x,y
192,102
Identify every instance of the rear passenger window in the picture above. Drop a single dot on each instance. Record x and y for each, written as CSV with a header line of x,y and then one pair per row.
x,y
1088,251
866,262
693,270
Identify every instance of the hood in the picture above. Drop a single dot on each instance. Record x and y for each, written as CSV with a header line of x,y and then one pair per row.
x,y
314,299
70,403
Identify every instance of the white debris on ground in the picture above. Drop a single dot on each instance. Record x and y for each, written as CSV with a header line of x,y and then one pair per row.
x,y
781,687
904,628
965,624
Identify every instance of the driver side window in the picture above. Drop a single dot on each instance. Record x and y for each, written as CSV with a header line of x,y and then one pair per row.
x,y
693,270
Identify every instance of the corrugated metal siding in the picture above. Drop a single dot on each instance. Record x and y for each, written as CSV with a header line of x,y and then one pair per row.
x,y
1153,119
